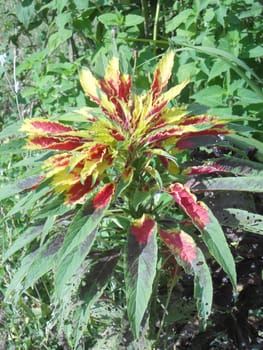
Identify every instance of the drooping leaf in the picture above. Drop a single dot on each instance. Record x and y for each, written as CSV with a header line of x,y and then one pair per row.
x,y
187,254
140,269
28,236
45,260
245,184
250,222
70,264
206,222
86,220
96,281
34,266
232,165
17,187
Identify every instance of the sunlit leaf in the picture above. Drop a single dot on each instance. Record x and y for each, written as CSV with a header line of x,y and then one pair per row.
x,y
187,254
140,269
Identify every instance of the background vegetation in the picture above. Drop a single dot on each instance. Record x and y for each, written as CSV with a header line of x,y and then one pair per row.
x,y
218,44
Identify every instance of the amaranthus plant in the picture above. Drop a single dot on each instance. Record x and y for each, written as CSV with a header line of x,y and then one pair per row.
x,y
118,169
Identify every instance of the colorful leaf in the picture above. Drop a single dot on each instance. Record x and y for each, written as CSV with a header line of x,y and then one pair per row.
x,y
140,269
184,249
86,220
208,225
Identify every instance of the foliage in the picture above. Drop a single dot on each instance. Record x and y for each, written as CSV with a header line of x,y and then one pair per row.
x,y
107,193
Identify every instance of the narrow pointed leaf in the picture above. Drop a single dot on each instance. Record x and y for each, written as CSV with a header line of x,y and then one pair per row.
x,y
70,264
140,269
17,187
45,260
206,222
232,165
245,184
243,219
96,281
86,220
188,255
28,236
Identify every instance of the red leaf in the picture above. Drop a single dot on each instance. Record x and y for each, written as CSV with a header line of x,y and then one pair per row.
x,y
181,244
143,228
56,143
187,201
103,197
77,192
205,169
47,126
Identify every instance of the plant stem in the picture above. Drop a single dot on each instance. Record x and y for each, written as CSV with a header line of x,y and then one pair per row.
x,y
145,13
156,19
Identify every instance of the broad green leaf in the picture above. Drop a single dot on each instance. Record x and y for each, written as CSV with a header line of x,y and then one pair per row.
x,y
242,183
243,219
256,52
140,269
58,38
111,19
218,68
211,96
182,17
188,255
96,281
248,97
25,11
207,224
68,266
133,20
28,236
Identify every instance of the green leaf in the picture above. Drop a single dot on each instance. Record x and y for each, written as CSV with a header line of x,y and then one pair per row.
x,y
140,269
111,19
25,11
58,38
133,20
175,22
244,184
68,266
210,96
28,236
256,52
17,187
243,219
215,240
96,281
11,130
44,261
16,282
218,68
27,203
83,225
248,97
